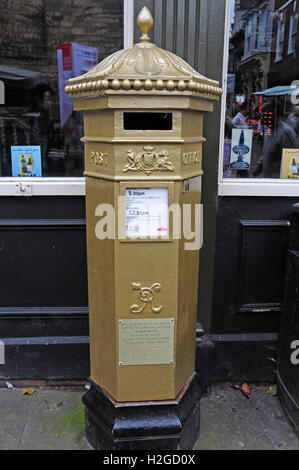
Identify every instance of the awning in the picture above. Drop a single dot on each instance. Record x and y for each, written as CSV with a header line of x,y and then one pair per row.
x,y
31,77
279,91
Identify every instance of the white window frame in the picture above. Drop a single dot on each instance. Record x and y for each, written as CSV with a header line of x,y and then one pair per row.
x,y
128,23
280,39
263,26
62,186
250,186
293,32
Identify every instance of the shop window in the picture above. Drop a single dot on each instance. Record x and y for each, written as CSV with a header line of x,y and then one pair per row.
x,y
261,134
42,45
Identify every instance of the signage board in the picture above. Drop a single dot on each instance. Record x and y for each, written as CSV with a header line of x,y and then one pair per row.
x,y
147,213
241,147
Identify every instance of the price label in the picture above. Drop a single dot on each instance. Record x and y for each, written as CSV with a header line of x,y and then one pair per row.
x,y
147,212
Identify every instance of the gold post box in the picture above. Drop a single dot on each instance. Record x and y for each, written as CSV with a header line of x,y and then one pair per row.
x,y
143,119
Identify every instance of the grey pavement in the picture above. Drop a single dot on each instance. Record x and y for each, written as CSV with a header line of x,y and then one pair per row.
x,y
231,421
46,420
54,419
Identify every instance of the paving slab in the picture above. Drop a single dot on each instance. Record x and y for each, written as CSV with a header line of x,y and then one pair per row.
x,y
46,420
13,416
54,420
231,421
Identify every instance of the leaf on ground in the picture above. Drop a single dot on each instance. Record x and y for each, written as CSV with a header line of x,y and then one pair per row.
x,y
246,389
28,391
272,390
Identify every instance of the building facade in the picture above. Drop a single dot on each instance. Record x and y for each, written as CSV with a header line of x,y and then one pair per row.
x,y
255,62
43,289
285,46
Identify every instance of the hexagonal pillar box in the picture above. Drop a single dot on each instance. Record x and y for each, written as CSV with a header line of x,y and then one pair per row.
x,y
143,119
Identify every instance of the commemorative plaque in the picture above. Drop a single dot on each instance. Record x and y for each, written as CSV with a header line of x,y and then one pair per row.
x,y
146,341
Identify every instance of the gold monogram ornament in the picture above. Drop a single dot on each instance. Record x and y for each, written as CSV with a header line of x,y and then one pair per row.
x,y
148,161
146,296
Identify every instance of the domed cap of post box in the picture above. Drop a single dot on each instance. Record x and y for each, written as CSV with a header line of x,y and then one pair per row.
x,y
143,69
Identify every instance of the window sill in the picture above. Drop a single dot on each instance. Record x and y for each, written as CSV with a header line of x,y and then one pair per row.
x,y
259,187
42,187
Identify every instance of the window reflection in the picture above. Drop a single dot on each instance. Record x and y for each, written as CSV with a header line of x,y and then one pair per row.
x,y
42,44
262,112
30,118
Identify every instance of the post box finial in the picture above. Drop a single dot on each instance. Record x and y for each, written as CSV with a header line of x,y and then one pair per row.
x,y
145,22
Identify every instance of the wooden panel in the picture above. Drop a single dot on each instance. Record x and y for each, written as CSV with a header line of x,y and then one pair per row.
x,y
42,263
47,357
262,265
210,57
250,259
17,322
43,288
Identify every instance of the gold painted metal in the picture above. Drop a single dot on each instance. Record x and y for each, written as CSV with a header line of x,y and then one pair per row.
x,y
145,280
146,296
145,23
148,161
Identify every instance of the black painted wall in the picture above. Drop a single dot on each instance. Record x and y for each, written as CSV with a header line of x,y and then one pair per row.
x,y
43,288
288,367
250,269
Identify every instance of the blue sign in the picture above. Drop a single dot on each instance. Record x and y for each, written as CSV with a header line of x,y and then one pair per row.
x,y
240,158
26,161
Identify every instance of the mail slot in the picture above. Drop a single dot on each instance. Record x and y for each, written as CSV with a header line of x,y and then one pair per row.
x,y
148,121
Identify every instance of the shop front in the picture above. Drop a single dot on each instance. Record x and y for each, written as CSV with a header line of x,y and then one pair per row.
x,y
44,306
250,183
257,187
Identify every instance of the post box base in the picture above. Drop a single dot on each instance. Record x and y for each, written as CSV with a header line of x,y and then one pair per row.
x,y
163,425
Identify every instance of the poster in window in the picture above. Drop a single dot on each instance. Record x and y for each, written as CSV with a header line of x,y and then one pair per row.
x,y
65,71
72,60
241,147
26,161
290,164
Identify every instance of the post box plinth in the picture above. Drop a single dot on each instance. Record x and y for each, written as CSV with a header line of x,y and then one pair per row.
x,y
143,135
160,425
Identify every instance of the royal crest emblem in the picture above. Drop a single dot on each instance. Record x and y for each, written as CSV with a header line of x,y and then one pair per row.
x,y
148,161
